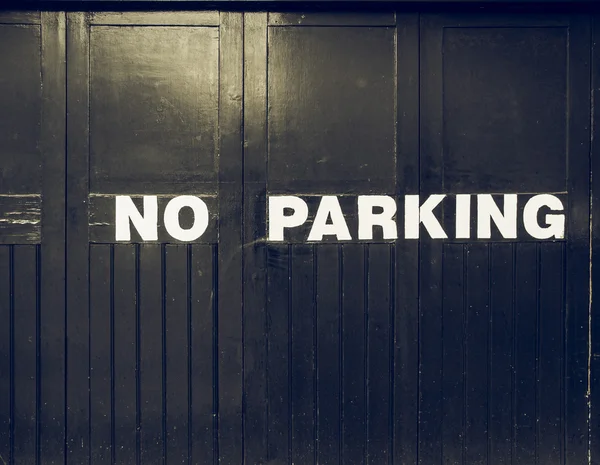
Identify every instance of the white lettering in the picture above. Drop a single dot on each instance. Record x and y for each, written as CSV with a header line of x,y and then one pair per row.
x,y
414,215
487,210
172,224
367,219
556,223
146,225
463,216
329,206
278,221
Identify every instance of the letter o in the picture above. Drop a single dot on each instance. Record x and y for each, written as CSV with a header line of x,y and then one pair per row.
x,y
172,218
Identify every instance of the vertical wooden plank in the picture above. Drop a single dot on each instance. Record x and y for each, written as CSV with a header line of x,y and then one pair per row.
x,y
279,336
379,365
595,252
25,354
303,353
202,342
255,264
151,354
6,380
453,290
524,353
328,296
176,298
477,355
578,243
125,354
354,396
501,353
430,264
551,349
430,347
52,298
77,321
230,331
100,354
406,346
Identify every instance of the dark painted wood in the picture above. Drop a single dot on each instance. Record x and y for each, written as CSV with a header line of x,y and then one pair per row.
x,y
578,243
354,354
279,354
595,243
328,354
203,315
525,351
178,95
454,317
302,364
101,212
52,259
125,346
20,219
21,109
254,249
501,343
151,350
355,103
406,316
477,353
550,379
77,256
229,323
176,353
380,300
6,353
101,354
331,19
26,354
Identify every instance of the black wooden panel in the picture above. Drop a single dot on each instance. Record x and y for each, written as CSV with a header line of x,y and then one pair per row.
x,y
504,109
202,363
328,354
77,250
6,353
102,354
125,363
454,286
52,257
25,353
20,109
160,86
550,382
477,351
151,350
595,250
524,359
354,354
302,363
331,109
279,353
501,343
380,281
176,353
20,219
230,280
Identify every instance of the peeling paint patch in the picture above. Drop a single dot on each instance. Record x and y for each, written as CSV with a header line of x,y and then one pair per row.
x,y
20,219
